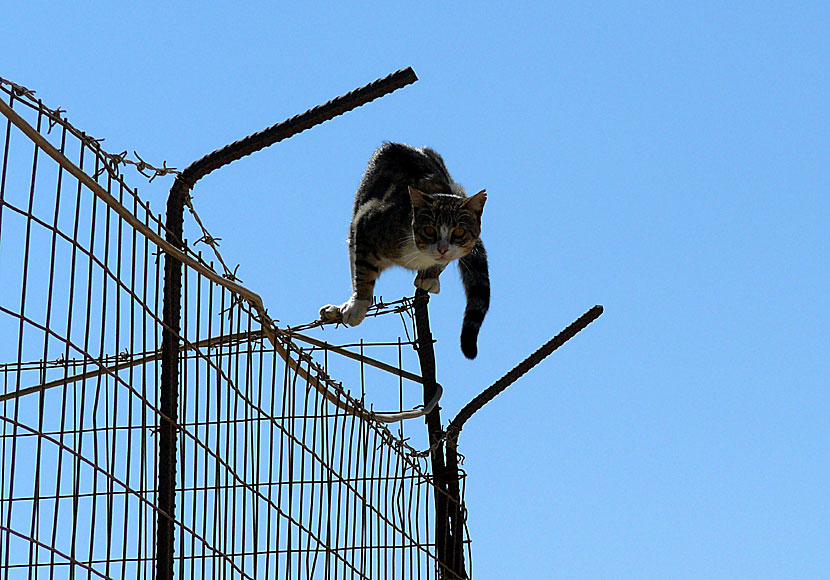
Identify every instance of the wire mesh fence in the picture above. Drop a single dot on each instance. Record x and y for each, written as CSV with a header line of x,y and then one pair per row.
x,y
274,479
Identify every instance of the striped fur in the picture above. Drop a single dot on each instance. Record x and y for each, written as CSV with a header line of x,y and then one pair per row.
x,y
476,280
409,212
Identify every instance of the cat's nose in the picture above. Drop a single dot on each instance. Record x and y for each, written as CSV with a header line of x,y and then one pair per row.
x,y
443,248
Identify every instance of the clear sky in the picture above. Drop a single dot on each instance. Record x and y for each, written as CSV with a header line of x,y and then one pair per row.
x,y
667,160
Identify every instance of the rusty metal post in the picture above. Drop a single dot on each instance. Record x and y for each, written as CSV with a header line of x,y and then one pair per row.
x,y
170,344
449,513
169,393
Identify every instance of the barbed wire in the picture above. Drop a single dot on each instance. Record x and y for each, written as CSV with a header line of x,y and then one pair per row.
x,y
109,162
113,160
141,166
211,241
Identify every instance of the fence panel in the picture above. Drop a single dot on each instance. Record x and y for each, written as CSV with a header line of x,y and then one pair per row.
x,y
273,480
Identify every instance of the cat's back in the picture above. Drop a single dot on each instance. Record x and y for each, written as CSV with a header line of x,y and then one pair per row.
x,y
394,166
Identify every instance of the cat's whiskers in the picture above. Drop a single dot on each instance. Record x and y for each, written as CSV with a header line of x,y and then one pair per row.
x,y
410,258
407,240
412,255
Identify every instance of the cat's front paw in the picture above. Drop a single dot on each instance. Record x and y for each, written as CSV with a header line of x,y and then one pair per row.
x,y
330,313
354,311
351,313
432,285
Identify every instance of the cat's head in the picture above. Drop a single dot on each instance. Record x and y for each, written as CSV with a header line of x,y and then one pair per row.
x,y
446,226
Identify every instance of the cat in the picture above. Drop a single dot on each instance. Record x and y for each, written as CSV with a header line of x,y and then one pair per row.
x,y
409,212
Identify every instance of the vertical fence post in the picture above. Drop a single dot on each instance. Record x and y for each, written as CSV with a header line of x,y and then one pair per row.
x,y
170,344
169,390
449,528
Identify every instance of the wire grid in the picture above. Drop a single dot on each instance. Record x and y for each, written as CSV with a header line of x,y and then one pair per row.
x,y
273,480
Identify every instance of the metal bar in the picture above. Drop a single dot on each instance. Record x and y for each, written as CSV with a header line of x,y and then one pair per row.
x,y
448,547
295,125
355,356
23,302
169,391
208,343
520,369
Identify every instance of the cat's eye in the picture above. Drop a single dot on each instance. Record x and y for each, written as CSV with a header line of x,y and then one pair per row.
x,y
458,232
430,231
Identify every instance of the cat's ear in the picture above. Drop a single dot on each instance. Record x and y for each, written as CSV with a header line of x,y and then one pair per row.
x,y
419,199
476,203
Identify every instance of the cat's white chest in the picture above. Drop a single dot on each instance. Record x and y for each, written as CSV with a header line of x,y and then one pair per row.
x,y
412,258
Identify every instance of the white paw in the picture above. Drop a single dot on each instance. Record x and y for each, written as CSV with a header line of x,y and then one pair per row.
x,y
354,311
432,285
351,313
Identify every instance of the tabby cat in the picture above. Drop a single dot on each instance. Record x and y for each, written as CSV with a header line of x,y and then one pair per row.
x,y
409,212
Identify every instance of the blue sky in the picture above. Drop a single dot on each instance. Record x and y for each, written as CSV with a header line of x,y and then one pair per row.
x,y
666,160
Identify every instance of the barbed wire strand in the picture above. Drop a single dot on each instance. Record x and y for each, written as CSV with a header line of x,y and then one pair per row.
x,y
55,117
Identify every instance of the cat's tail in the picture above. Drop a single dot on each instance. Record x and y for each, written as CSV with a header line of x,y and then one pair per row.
x,y
476,280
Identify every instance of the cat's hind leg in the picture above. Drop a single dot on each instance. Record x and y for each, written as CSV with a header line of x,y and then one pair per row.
x,y
428,279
